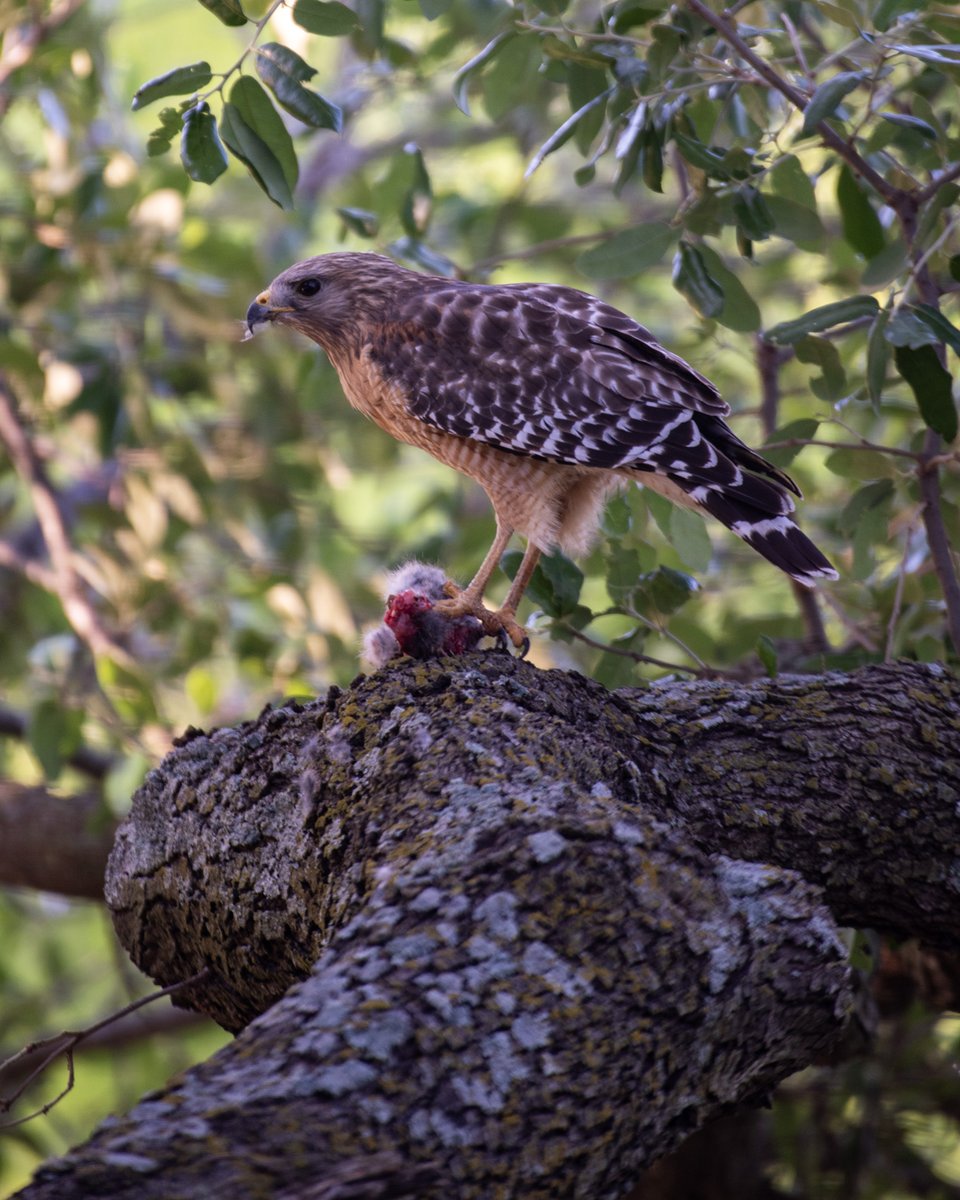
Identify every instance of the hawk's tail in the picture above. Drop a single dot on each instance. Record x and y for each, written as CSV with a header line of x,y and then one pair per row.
x,y
751,497
759,512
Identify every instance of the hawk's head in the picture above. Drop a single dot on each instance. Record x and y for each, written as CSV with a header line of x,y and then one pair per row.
x,y
329,297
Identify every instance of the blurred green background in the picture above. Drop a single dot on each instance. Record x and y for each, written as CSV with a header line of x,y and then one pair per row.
x,y
232,519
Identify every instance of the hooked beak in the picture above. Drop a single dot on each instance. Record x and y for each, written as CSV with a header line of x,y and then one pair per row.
x,y
261,312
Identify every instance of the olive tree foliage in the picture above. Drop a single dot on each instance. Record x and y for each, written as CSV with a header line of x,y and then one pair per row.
x,y
190,527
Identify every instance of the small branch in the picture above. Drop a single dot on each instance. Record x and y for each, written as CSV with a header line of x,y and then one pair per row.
x,y
66,1042
930,190
938,539
64,580
769,360
863,444
547,247
898,596
634,655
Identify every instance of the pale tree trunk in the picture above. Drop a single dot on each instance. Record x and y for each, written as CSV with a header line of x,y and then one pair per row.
x,y
490,931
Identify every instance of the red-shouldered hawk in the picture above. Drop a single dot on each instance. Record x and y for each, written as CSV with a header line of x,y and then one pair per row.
x,y
550,399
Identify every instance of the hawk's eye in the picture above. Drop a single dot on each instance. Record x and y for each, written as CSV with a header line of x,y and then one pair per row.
x,y
308,287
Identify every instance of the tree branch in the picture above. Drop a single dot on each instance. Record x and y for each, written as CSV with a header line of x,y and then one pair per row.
x,y
66,582
524,919
53,843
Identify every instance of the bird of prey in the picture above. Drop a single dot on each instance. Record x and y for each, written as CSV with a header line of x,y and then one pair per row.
x,y
546,396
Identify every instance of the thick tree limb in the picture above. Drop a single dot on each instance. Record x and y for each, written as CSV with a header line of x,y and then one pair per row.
x,y
54,843
554,929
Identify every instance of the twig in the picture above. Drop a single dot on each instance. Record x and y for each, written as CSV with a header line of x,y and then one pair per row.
x,y
63,580
769,360
863,444
898,596
937,538
850,625
66,1042
631,654
547,247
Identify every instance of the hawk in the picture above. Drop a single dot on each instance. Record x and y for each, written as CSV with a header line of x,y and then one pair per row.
x,y
546,396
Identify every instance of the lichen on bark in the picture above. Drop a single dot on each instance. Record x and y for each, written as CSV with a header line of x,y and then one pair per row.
x,y
512,933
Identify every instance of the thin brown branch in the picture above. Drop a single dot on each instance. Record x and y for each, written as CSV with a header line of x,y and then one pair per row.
x,y
863,444
66,1042
938,539
770,358
65,580
897,606
634,655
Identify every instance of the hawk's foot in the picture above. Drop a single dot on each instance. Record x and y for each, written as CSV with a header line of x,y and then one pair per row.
x,y
495,624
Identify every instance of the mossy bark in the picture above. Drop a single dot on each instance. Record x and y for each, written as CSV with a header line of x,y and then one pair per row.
x,y
489,931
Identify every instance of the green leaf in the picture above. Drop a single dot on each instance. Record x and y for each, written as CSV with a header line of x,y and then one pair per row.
x,y
914,124
585,84
663,591
432,9
688,536
789,180
861,502
801,430
53,734
693,280
831,384
909,326
861,225
623,572
714,162
178,82
328,18
884,267
878,357
953,266
796,222
942,55
932,387
229,11
945,331
160,139
860,464
462,79
787,333
827,98
564,579
651,159
555,584
360,220
752,214
201,150
739,310
283,72
617,520
416,207
629,252
767,653
254,132
887,11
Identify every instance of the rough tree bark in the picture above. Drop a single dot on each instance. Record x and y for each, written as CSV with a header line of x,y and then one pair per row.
x,y
494,931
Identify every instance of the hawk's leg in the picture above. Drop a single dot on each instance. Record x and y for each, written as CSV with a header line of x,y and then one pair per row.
x,y
469,600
